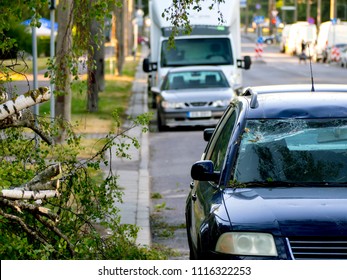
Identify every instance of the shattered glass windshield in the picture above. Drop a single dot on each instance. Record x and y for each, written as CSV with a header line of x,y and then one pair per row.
x,y
293,150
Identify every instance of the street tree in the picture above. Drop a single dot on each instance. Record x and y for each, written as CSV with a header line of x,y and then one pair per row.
x,y
53,204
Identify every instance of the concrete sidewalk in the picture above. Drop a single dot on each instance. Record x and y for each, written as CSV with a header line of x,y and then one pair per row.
x,y
133,173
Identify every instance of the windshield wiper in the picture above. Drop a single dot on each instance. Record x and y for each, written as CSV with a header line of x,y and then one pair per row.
x,y
279,184
292,184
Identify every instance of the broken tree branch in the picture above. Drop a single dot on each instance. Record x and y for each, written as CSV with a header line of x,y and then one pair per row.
x,y
44,185
24,101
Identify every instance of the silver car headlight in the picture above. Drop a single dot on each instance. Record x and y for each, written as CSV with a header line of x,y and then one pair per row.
x,y
221,103
246,243
172,105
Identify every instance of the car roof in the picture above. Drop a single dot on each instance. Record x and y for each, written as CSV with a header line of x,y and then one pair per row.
x,y
296,101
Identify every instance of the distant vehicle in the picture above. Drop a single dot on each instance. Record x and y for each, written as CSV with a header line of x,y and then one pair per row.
x,y
143,40
270,39
343,59
192,96
300,32
284,36
210,42
333,53
271,182
329,35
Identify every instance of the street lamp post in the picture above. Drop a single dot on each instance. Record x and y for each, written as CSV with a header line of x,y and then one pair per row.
x,y
52,52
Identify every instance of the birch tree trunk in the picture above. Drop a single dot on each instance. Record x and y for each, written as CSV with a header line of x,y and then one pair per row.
x,y
63,76
120,50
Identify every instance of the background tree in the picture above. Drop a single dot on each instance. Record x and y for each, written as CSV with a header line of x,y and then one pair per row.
x,y
64,56
119,12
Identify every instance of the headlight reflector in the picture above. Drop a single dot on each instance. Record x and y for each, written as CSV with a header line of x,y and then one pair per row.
x,y
246,243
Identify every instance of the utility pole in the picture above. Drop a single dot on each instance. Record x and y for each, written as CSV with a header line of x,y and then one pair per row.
x,y
333,9
52,53
308,9
296,11
319,14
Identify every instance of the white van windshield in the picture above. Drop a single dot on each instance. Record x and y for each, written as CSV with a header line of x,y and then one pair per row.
x,y
207,51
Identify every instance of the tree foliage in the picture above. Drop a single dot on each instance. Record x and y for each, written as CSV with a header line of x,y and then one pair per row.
x,y
178,14
80,221
76,217
54,204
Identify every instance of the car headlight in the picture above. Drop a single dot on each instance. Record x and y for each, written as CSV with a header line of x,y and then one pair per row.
x,y
221,103
172,105
246,243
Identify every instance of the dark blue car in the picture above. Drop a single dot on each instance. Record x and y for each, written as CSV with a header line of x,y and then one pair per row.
x,y
272,181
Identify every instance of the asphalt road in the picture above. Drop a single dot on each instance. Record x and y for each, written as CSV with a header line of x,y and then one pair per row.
x,y
173,152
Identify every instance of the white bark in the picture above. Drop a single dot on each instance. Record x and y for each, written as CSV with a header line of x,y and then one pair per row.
x,y
24,101
45,180
33,195
43,185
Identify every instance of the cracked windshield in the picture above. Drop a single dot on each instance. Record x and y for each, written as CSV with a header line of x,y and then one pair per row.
x,y
293,151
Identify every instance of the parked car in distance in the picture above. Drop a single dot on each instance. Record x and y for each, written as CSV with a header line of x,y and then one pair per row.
x,y
141,40
284,36
192,96
272,180
343,58
333,53
329,35
270,39
300,32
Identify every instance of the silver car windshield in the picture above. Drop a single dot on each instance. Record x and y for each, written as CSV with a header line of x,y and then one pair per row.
x,y
294,150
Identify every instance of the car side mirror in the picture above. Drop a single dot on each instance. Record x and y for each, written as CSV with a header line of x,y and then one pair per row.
x,y
204,171
155,90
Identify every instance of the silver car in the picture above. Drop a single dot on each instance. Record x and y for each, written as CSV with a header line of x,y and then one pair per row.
x,y
192,96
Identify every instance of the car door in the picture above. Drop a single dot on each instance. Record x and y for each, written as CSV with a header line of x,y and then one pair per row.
x,y
205,193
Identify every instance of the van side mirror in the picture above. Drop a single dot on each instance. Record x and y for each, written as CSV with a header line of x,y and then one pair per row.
x,y
145,65
244,63
148,66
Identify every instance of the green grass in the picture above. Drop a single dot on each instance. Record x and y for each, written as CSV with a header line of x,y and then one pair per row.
x,y
115,97
27,66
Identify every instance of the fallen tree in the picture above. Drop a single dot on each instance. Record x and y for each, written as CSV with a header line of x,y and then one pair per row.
x,y
53,205
45,184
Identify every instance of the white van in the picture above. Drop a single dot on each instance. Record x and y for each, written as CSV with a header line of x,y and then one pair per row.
x,y
301,32
284,36
307,36
329,35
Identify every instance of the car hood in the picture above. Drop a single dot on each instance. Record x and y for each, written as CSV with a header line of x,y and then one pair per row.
x,y
194,95
289,211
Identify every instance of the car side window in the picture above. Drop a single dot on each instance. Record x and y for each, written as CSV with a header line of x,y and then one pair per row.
x,y
217,150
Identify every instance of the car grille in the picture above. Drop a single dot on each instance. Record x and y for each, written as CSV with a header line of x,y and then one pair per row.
x,y
197,104
318,247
